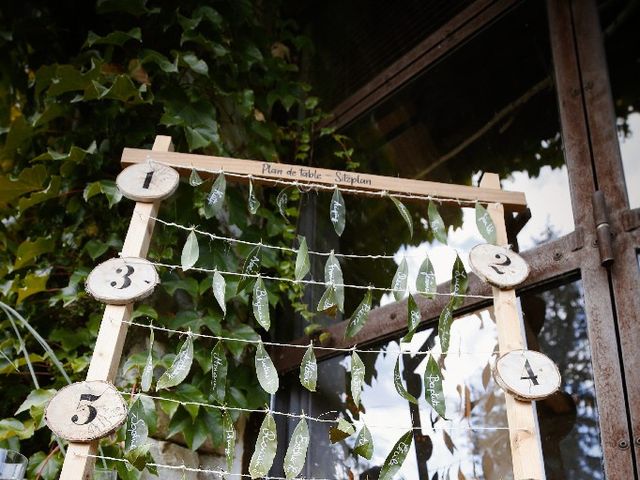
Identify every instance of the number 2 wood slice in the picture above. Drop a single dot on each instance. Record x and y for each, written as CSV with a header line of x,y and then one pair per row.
x,y
148,182
527,374
119,281
86,411
498,266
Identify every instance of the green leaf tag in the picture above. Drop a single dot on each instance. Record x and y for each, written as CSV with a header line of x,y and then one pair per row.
x,y
343,430
357,377
190,252
404,213
297,451
459,282
399,282
433,387
360,316
137,430
337,212
396,457
328,303
215,199
266,371
139,456
219,366
309,370
397,382
426,281
485,224
302,259
364,443
251,267
414,317
260,303
265,450
219,286
253,203
180,367
281,201
229,432
436,222
444,327
147,372
195,179
333,275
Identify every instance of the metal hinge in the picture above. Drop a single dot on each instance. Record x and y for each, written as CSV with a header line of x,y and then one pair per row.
x,y
603,229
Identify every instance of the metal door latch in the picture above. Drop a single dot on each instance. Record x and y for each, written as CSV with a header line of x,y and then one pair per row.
x,y
603,229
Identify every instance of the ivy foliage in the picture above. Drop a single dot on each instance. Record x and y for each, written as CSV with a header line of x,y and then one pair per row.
x,y
79,81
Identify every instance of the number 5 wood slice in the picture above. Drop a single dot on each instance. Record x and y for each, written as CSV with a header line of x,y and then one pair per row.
x,y
527,374
119,281
498,266
86,411
148,181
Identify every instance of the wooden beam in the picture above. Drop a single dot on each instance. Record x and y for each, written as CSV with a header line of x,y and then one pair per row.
x,y
361,183
113,331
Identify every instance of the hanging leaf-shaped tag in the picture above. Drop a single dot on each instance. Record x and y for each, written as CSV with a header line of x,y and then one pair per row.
x,y
459,282
399,282
265,370
219,286
333,275
251,267
253,203
195,179
180,367
426,281
229,432
281,201
260,304
341,431
413,318
337,212
265,450
190,252
328,303
219,366
397,381
437,224
357,377
404,213
302,259
297,451
485,224
215,199
309,370
433,387
444,327
137,430
396,457
364,443
147,372
360,316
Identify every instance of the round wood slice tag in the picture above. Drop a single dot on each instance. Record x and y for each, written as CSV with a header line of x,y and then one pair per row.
x,y
122,280
148,181
86,411
498,266
527,374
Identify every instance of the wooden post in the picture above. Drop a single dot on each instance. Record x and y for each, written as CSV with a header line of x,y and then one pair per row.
x,y
526,451
108,349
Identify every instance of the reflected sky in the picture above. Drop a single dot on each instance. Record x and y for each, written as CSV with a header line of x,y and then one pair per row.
x,y
630,150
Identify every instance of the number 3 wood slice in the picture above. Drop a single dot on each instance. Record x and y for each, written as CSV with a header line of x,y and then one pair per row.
x,y
527,374
498,266
148,181
86,411
119,281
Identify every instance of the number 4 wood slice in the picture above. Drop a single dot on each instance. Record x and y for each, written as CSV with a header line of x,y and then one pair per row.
x,y
527,374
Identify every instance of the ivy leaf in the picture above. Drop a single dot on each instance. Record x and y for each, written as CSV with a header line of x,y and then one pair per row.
x,y
190,252
147,372
485,224
426,281
397,382
229,435
337,212
302,259
265,449
219,366
360,316
399,282
180,367
333,276
436,222
29,250
328,303
357,377
266,371
195,179
219,286
414,317
297,451
343,430
433,387
281,201
309,370
251,267
253,203
459,282
137,430
444,327
260,303
404,213
396,457
215,199
364,443
138,456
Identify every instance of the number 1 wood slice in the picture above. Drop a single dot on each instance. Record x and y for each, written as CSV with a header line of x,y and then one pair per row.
x,y
119,281
498,266
527,374
86,411
148,182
